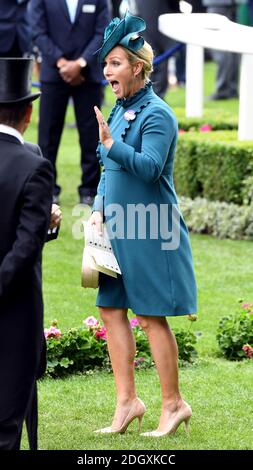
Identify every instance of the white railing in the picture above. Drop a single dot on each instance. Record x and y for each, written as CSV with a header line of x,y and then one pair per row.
x,y
200,30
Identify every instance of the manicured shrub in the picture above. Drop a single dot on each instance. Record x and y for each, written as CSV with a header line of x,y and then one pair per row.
x,y
217,119
196,124
214,169
186,341
219,219
84,349
77,350
235,334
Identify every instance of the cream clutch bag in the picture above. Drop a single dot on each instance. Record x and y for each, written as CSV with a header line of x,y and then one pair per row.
x,y
98,256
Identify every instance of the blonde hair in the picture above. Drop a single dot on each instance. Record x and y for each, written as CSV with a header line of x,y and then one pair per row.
x,y
146,56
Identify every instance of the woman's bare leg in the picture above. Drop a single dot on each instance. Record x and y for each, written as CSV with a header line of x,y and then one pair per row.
x,y
121,347
165,353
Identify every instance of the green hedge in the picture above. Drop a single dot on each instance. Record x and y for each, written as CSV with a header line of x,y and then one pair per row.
x,y
214,165
217,119
194,124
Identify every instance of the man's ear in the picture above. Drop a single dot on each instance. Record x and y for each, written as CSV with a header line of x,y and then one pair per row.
x,y
27,118
28,114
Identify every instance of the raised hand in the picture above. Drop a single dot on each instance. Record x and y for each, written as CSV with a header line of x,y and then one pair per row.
x,y
104,130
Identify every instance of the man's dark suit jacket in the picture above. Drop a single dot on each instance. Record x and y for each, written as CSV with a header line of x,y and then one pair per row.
x,y
26,186
14,25
56,36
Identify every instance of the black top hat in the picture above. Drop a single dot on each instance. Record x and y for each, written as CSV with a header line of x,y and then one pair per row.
x,y
16,80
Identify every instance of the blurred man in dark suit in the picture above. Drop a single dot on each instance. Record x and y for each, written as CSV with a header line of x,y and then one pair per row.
x,y
227,75
150,12
68,32
15,39
115,8
26,188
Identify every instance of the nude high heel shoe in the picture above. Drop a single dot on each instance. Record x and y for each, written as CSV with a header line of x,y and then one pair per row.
x,y
136,410
183,414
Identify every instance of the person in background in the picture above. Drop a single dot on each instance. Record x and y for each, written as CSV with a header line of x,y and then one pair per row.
x,y
180,55
250,5
137,149
15,37
67,33
245,13
150,12
227,62
115,7
26,187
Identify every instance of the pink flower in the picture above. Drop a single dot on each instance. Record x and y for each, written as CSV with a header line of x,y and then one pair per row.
x,y
245,306
52,332
205,128
181,131
138,360
134,322
91,322
101,333
248,350
248,308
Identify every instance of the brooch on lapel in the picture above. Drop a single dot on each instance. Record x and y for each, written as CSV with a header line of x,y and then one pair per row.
x,y
129,115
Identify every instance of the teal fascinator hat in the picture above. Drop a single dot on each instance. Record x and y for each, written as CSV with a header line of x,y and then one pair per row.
x,y
123,32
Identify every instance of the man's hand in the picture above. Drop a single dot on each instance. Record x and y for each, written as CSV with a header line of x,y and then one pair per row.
x,y
56,216
77,81
60,62
70,71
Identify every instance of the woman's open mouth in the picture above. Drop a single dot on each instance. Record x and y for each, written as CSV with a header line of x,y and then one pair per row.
x,y
115,86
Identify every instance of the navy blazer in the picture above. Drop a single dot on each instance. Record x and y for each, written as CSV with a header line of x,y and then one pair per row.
x,y
14,24
56,36
26,186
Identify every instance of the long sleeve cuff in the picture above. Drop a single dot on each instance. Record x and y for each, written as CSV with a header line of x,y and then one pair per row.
x,y
98,204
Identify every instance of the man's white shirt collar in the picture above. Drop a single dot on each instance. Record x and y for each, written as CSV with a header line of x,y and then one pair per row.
x,y
72,7
11,131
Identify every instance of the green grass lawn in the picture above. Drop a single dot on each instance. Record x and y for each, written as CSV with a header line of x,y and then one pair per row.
x,y
219,391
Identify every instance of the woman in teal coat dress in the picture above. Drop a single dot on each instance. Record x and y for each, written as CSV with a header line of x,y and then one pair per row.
x,y
136,196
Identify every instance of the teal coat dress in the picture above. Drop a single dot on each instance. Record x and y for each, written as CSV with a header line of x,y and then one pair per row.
x,y
137,196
